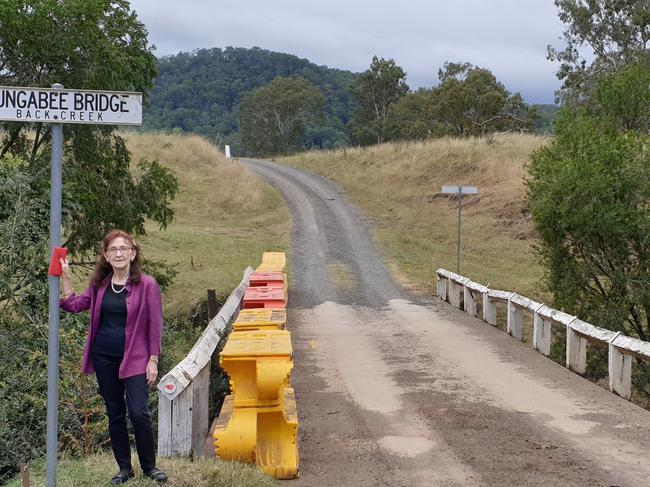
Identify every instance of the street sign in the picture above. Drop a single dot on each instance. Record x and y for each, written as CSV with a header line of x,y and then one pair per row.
x,y
460,189
70,106
57,106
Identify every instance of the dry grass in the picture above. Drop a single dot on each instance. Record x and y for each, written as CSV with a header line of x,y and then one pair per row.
x,y
225,217
398,185
97,470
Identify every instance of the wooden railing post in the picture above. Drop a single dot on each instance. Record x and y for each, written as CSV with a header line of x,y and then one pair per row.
x,y
489,309
515,324
576,351
454,293
441,287
469,301
541,333
620,370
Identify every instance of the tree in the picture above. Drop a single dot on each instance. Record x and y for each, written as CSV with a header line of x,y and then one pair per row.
x,y
95,44
588,193
415,116
617,32
376,90
471,101
273,118
83,44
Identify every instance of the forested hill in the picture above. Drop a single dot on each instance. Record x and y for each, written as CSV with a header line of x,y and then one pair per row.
x,y
200,91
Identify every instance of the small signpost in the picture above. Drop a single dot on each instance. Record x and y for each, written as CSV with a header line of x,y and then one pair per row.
x,y
460,191
59,106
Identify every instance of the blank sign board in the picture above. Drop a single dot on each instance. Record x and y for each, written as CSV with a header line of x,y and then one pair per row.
x,y
459,189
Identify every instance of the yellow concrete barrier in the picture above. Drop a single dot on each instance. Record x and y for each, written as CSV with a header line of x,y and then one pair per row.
x,y
264,434
260,319
259,363
272,261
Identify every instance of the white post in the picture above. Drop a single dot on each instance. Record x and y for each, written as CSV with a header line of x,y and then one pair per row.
x,y
470,302
489,310
441,287
515,321
576,351
541,334
620,371
454,293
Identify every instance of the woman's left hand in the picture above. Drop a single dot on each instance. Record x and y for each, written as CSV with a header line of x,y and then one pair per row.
x,y
152,372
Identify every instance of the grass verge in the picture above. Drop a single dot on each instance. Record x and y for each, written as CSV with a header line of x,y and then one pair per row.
x,y
97,470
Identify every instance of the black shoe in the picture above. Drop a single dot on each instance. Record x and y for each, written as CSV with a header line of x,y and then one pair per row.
x,y
123,476
156,474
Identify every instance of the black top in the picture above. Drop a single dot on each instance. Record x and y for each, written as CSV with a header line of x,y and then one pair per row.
x,y
112,320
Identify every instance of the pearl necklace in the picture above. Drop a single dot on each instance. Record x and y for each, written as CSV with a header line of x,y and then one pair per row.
x,y
113,286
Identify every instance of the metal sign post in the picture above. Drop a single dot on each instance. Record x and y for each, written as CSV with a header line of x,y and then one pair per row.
x,y
460,191
58,106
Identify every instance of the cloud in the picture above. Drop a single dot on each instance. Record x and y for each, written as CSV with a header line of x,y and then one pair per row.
x,y
508,37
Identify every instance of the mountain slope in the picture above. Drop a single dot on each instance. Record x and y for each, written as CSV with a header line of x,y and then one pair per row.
x,y
200,92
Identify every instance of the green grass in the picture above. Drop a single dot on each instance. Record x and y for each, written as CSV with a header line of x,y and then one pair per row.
x,y
97,470
225,218
398,186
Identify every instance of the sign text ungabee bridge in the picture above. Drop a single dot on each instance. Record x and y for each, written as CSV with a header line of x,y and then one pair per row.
x,y
70,106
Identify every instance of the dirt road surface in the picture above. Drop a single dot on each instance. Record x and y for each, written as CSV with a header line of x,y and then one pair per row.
x,y
397,390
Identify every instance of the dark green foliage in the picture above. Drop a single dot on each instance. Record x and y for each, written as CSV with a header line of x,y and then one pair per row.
x,y
546,115
376,90
589,192
201,91
617,32
273,118
469,101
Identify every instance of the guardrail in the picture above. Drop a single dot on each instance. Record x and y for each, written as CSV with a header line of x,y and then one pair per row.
x,y
621,348
183,422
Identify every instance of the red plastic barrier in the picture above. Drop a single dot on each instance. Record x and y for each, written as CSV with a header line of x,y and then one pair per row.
x,y
264,297
267,278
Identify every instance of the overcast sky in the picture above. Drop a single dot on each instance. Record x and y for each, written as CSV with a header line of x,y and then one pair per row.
x,y
509,37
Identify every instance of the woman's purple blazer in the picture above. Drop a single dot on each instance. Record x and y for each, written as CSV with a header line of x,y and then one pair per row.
x,y
143,330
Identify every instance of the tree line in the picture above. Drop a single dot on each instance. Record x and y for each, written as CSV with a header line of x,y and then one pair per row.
x,y
468,101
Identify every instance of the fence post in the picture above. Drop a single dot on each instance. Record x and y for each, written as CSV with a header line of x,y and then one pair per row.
x,y
454,293
541,333
576,351
212,304
469,302
620,370
489,309
441,286
515,321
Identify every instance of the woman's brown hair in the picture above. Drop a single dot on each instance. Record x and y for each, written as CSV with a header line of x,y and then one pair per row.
x,y
104,269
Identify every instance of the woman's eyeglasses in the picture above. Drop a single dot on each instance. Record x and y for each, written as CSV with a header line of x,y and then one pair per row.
x,y
113,250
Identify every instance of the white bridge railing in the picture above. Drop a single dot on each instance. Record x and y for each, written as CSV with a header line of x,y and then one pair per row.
x,y
621,347
183,422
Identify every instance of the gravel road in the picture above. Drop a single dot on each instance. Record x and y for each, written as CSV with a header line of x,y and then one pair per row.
x,y
394,389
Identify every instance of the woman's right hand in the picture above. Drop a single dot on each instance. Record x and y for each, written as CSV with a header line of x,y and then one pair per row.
x,y
65,267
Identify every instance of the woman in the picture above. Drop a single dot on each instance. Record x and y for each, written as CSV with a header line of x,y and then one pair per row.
x,y
123,345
